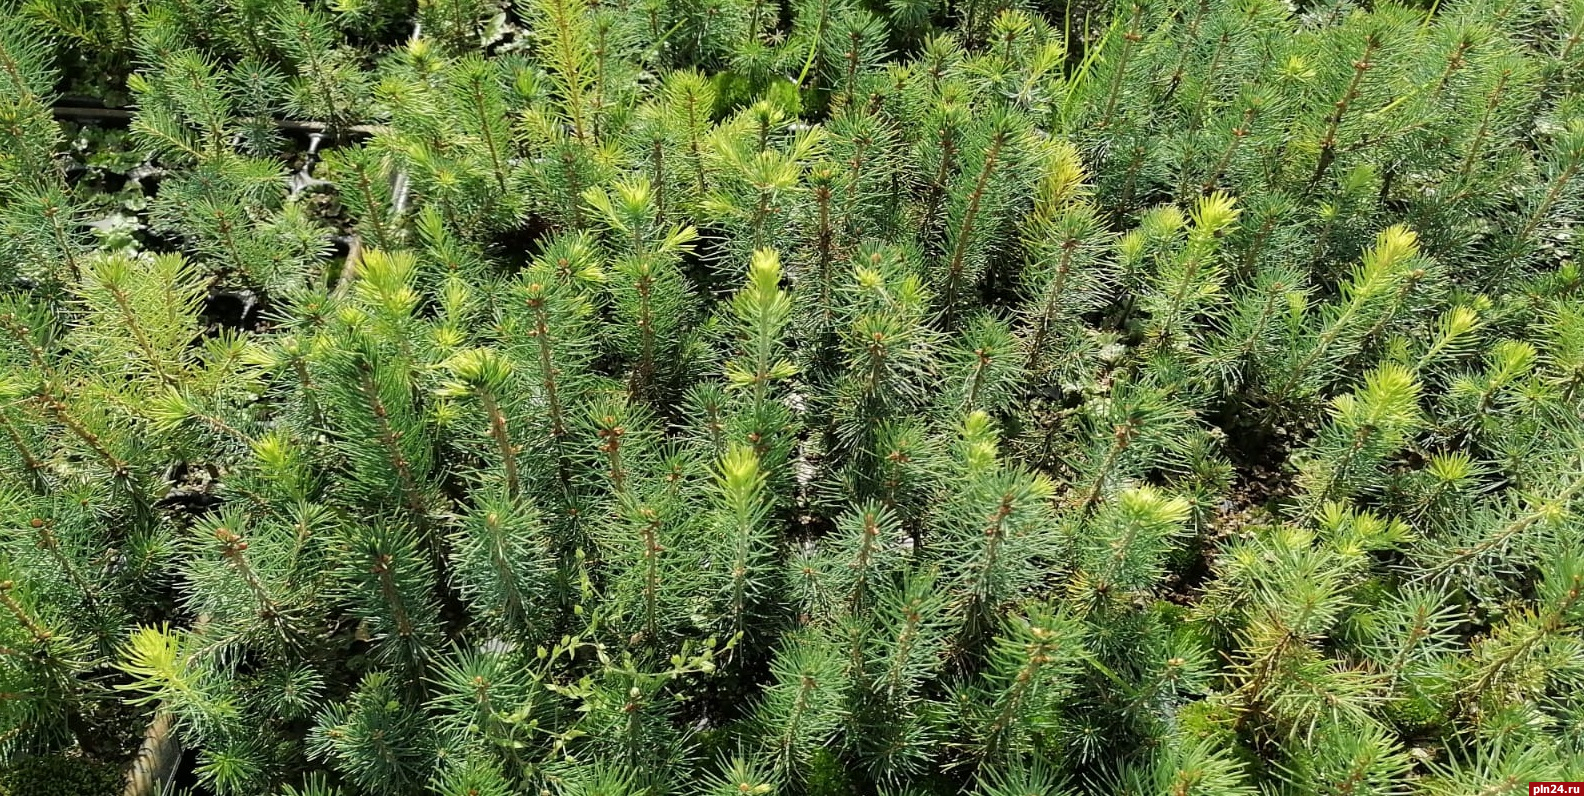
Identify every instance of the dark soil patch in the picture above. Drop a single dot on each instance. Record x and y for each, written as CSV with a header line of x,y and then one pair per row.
x,y
240,309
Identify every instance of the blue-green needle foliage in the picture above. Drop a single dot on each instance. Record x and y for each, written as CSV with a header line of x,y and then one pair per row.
x,y
793,397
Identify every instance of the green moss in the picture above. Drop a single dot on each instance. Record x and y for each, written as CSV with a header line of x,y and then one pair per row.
x,y
59,775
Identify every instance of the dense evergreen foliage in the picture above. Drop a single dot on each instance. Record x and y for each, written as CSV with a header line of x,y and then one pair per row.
x,y
708,397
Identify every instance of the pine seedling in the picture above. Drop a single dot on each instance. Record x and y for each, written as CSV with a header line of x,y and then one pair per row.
x,y
27,88
1514,529
486,380
911,465
1189,281
453,180
743,578
93,437
759,164
1455,334
1135,424
544,323
1230,141
1292,593
456,145
1021,63
709,422
994,530
363,178
1410,635
382,437
981,368
862,559
1033,775
649,295
280,477
1136,251
478,93
939,133
762,310
315,784
43,665
1366,427
193,416
226,207
460,25
1563,349
1015,704
630,711
487,703
375,739
903,473
243,578
652,551
740,775
909,19
472,776
1560,199
1375,290
1523,656
164,670
45,231
1130,57
328,86
561,168
885,346
1250,334
154,303
458,270
619,54
598,779
802,708
1477,406
1125,545
1565,50
689,100
391,589
850,49
861,184
650,142
1337,223
1494,764
234,768
564,32
1065,276
502,562
1503,90
905,652
1273,229
1186,765
185,115
912,637
980,206
621,448
53,547
259,86
1358,61
901,744
1164,671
